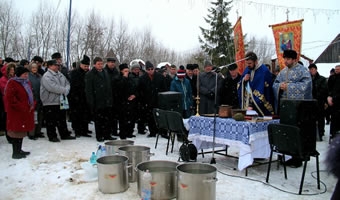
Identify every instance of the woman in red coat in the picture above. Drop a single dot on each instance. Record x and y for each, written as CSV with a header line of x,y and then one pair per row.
x,y
20,110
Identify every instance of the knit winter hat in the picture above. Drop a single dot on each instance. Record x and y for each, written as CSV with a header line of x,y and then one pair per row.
x,y
181,73
19,70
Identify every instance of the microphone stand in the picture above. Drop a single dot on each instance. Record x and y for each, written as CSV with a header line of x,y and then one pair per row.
x,y
213,161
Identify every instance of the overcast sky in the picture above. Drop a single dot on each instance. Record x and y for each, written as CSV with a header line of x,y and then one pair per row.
x,y
176,22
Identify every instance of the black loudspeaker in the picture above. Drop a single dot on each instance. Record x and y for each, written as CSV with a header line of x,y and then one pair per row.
x,y
170,101
301,113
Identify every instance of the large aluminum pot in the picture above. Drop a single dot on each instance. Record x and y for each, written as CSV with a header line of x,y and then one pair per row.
x,y
196,181
112,146
164,178
136,155
113,174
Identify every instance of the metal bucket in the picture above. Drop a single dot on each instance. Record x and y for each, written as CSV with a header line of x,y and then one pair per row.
x,y
196,181
136,155
113,145
164,178
113,174
224,111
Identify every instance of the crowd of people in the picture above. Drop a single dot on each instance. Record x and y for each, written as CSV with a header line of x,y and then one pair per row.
x,y
116,98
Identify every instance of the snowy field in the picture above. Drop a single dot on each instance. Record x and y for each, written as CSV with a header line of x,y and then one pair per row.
x,y
58,171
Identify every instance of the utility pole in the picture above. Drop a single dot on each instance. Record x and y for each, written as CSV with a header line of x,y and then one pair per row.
x,y
68,37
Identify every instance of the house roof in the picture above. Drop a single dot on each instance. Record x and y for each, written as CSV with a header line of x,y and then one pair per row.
x,y
332,53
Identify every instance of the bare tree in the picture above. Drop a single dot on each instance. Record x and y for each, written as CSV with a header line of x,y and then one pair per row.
x,y
93,35
77,36
108,38
263,48
42,27
46,32
121,41
10,23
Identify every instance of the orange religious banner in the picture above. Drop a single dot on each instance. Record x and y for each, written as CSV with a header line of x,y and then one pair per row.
x,y
239,46
287,35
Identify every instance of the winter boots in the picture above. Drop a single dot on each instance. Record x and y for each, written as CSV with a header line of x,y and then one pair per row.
x,y
17,152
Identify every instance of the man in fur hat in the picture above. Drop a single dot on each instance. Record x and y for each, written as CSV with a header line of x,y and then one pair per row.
x,y
293,82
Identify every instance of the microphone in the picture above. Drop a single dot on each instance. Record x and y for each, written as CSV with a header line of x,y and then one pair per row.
x,y
246,58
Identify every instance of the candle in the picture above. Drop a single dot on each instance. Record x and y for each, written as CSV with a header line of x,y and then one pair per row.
x,y
198,84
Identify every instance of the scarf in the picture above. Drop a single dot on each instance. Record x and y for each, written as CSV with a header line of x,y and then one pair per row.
x,y
27,86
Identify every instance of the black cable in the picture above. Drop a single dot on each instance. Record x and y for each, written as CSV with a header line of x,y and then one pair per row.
x,y
277,188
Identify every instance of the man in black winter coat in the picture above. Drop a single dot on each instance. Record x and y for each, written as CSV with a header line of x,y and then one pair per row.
x,y
79,110
320,93
229,87
99,98
127,102
333,100
151,83
113,72
135,74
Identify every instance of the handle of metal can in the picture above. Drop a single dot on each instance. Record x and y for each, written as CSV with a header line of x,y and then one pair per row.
x,y
151,154
129,166
213,180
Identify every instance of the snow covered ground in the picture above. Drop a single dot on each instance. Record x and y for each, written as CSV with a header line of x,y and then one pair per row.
x,y
59,171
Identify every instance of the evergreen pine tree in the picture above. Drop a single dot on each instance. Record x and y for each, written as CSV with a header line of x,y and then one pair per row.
x,y
218,40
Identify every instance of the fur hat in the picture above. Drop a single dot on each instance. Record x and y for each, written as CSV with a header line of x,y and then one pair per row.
x,y
134,64
9,59
123,66
195,66
148,65
290,54
56,55
190,66
38,59
19,70
86,60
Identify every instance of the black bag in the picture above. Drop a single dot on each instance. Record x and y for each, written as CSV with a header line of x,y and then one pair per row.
x,y
188,151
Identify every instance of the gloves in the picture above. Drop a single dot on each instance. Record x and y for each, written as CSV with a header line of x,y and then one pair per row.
x,y
211,95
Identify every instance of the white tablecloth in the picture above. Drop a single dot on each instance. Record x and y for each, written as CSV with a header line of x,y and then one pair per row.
x,y
250,137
